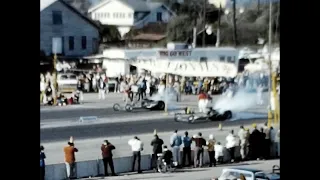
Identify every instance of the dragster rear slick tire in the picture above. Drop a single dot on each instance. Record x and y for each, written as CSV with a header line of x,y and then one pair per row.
x,y
116,107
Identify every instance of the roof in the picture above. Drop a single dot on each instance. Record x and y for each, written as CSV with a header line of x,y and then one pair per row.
x,y
149,37
46,3
246,169
136,5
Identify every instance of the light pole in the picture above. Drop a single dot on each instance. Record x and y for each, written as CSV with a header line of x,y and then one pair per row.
x,y
218,29
271,96
234,21
204,23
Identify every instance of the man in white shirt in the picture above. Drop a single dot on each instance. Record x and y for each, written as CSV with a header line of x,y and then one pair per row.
x,y
231,144
243,136
218,148
136,147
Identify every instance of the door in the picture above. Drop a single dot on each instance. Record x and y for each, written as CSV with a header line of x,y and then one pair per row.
x,y
57,45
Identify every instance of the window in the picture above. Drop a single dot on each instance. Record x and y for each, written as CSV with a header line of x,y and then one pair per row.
x,y
129,15
115,15
222,58
84,42
159,16
107,14
56,17
71,43
94,45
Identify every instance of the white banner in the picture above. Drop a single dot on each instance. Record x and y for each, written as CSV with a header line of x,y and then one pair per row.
x,y
191,68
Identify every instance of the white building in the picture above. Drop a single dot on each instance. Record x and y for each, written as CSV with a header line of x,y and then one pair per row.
x,y
130,13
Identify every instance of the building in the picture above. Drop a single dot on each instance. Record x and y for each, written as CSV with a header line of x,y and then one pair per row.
x,y
126,14
65,31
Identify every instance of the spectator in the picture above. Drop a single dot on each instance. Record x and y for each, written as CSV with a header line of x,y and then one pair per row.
x,y
273,147
231,144
175,142
266,141
106,149
262,145
187,141
42,163
254,141
198,149
277,140
243,136
136,147
218,148
157,149
102,88
167,155
69,158
211,152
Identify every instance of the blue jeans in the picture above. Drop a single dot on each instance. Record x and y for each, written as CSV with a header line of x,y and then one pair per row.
x,y
176,154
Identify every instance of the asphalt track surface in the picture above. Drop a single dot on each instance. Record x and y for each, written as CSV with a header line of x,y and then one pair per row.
x,y
100,113
129,128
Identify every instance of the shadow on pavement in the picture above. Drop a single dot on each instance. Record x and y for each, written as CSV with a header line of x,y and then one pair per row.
x,y
238,164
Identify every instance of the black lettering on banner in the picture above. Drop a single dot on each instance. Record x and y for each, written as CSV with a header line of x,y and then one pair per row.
x,y
226,69
214,67
182,67
173,53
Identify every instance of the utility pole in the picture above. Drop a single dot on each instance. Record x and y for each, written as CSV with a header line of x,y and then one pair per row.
x,y
204,23
194,42
258,6
271,94
55,84
218,28
235,37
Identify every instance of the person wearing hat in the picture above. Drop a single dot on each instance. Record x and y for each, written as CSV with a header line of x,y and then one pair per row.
x,y
136,147
69,158
106,150
210,143
243,136
218,148
42,163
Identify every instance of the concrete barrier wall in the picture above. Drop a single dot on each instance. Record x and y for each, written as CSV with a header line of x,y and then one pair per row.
x,y
121,165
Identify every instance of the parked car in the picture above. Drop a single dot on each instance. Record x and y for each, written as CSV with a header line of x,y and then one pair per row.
x,y
249,174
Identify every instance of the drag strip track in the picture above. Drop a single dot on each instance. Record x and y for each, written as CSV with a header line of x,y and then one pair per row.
x,y
101,113
129,128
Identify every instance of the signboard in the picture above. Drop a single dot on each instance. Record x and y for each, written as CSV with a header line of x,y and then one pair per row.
x,y
180,53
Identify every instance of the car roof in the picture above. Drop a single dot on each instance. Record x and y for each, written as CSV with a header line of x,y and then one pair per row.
x,y
246,169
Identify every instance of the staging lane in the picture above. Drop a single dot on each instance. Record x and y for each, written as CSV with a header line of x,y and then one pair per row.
x,y
128,128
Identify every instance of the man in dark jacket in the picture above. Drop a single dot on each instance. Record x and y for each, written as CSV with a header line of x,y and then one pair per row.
x,y
200,142
157,148
254,141
106,150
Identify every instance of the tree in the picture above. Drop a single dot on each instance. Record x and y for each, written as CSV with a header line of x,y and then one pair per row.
x,y
81,5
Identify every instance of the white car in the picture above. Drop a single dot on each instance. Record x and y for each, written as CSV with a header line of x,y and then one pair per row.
x,y
67,82
250,174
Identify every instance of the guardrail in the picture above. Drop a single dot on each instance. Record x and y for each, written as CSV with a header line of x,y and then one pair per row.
x,y
94,168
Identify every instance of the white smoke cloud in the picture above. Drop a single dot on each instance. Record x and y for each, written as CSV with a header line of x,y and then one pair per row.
x,y
240,102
